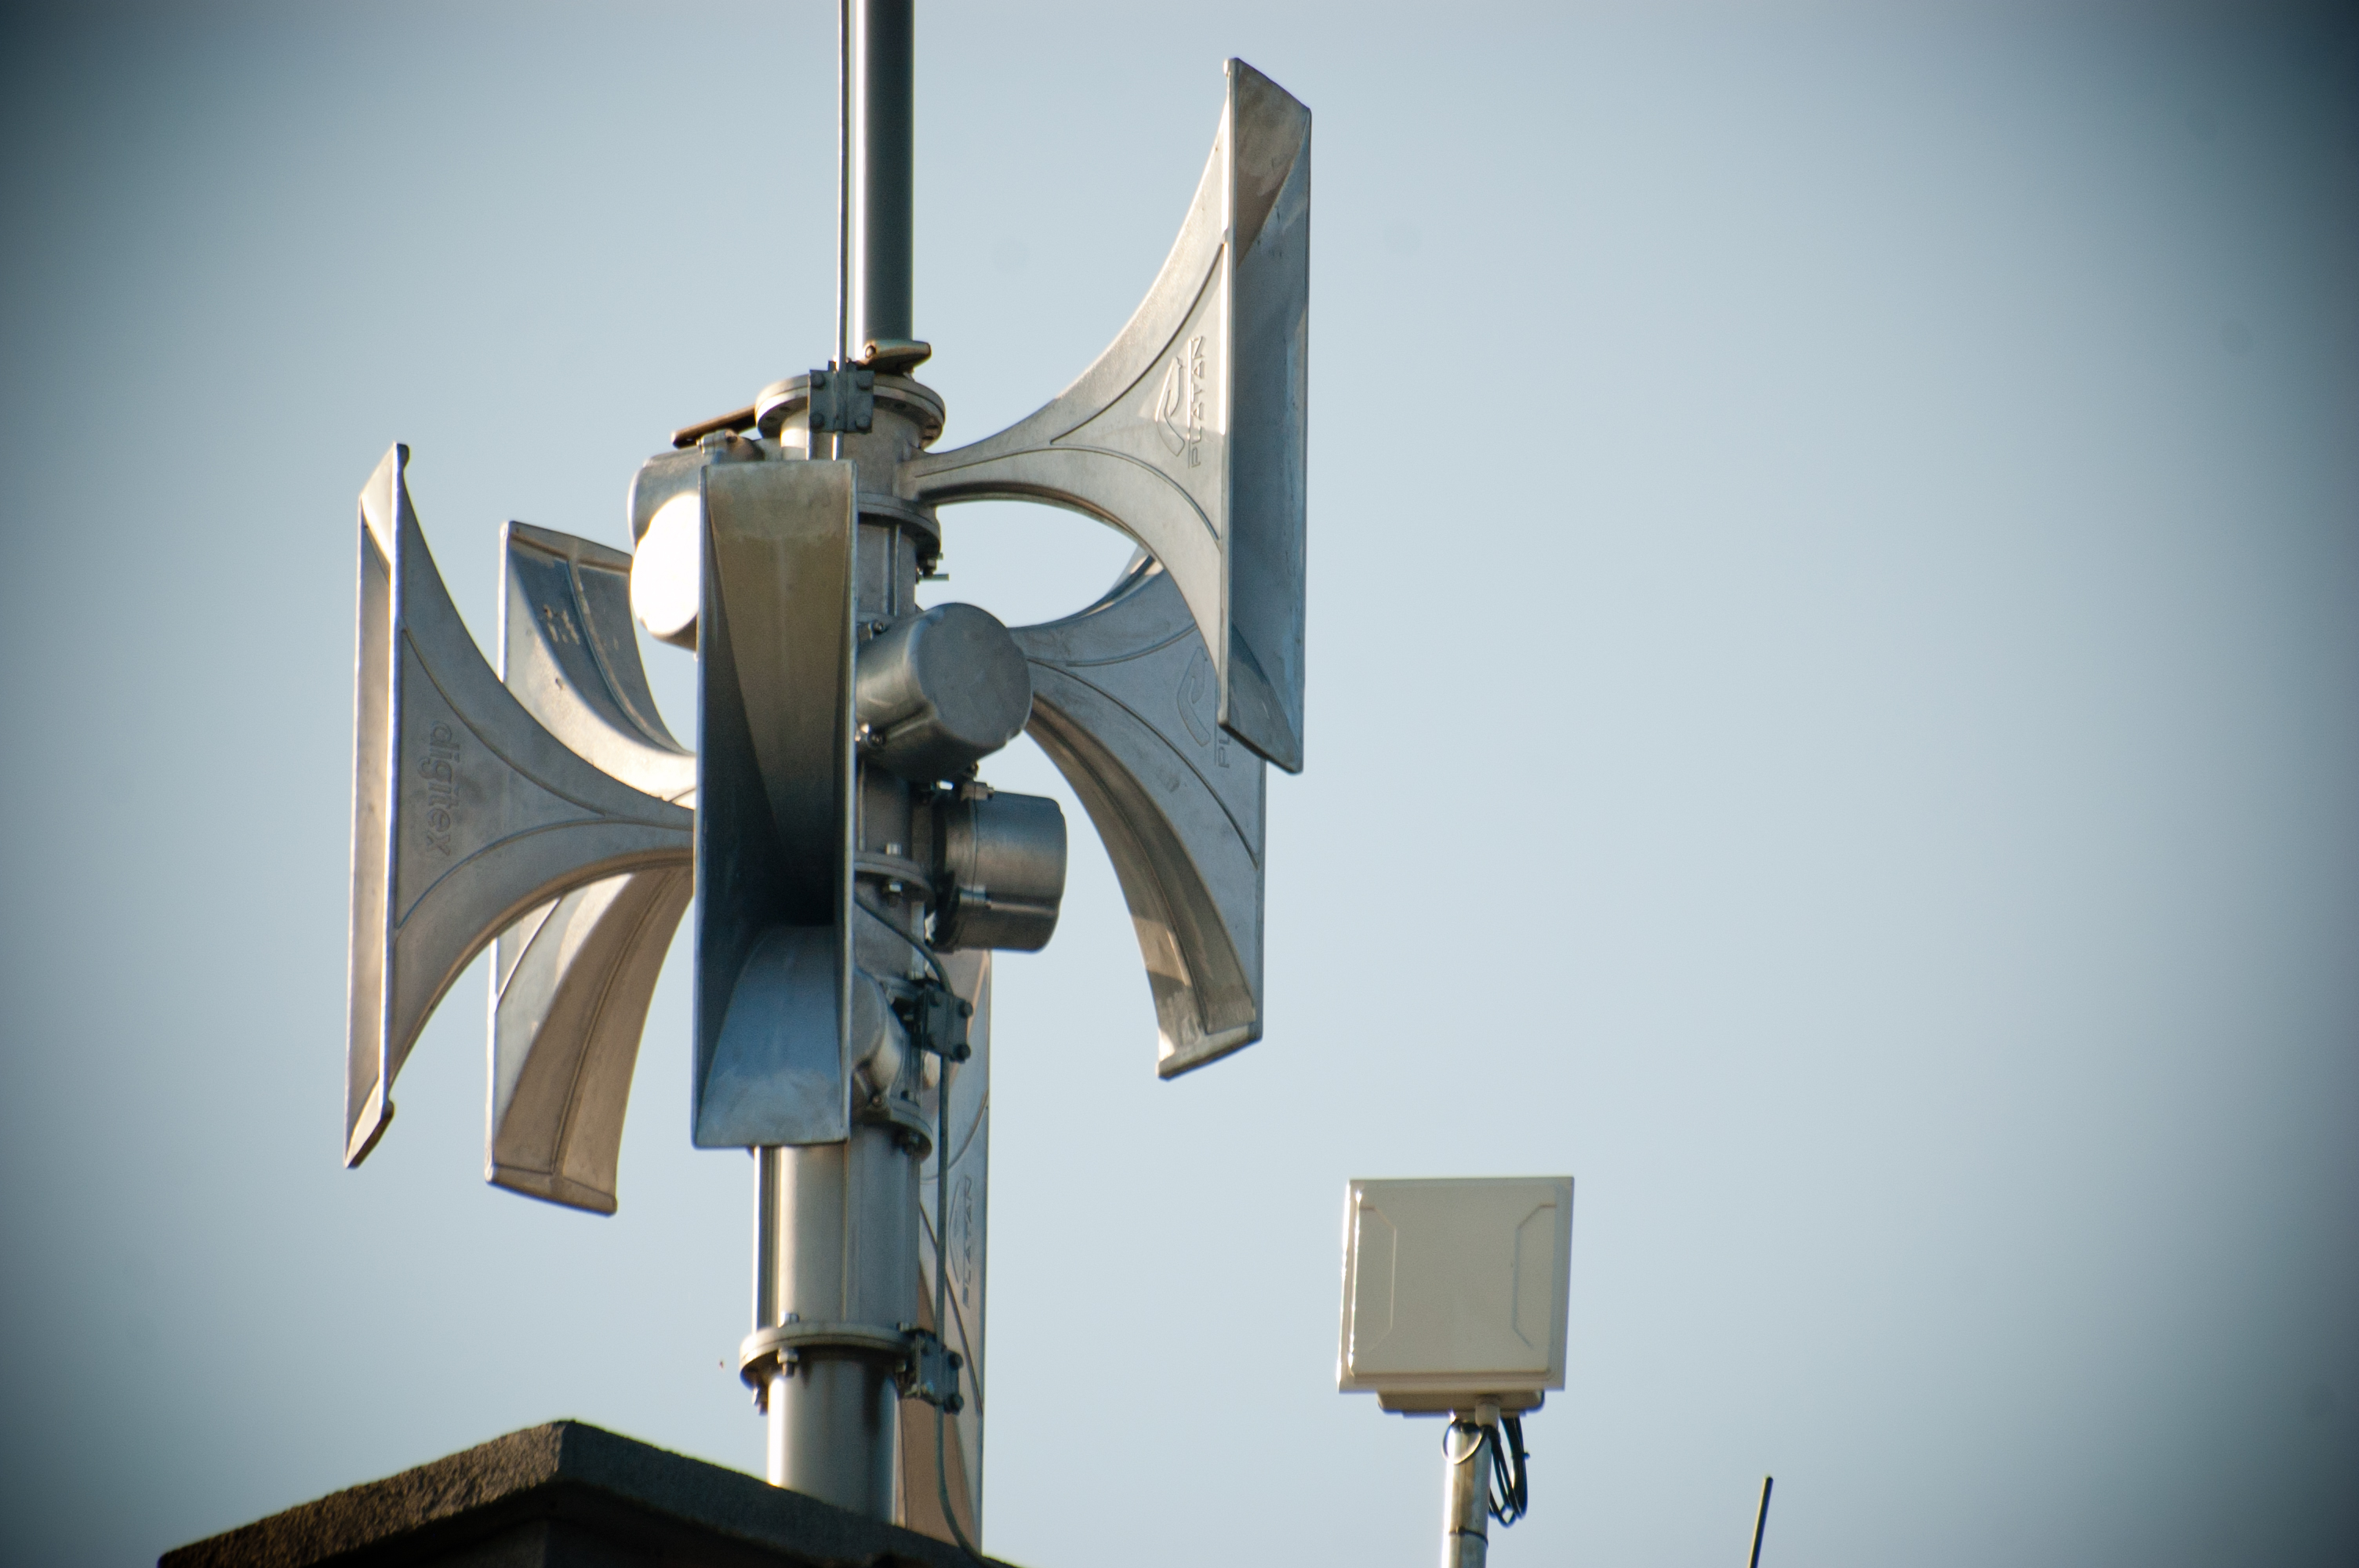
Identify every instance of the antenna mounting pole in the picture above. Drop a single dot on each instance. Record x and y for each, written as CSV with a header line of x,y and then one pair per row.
x,y
879,177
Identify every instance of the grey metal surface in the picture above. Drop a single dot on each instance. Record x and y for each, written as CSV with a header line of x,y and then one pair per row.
x,y
572,982
835,1423
569,653
1466,1497
1122,703
777,1069
1002,871
907,414
843,1219
939,691
571,985
467,812
882,62
846,876
1189,432
806,558
775,799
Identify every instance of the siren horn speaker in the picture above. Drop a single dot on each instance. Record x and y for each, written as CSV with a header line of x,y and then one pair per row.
x,y
1122,703
774,803
467,812
1188,433
572,980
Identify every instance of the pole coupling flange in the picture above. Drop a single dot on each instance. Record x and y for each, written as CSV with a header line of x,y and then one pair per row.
x,y
924,1368
762,1352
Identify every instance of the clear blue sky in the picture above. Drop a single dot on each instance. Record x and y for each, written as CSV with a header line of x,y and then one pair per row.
x,y
1834,720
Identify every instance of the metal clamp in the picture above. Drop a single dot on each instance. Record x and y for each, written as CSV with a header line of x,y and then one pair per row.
x,y
897,1111
843,401
931,1372
764,1351
924,1368
936,1018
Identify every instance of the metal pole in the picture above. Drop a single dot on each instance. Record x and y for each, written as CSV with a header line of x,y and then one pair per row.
x,y
1465,1495
843,186
1761,1519
836,1249
838,1241
882,105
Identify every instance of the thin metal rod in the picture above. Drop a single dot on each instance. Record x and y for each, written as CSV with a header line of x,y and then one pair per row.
x,y
766,1238
843,184
842,202
882,140
1761,1519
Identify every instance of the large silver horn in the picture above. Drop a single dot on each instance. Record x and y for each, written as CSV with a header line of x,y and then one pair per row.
x,y
775,806
572,980
1188,433
1123,702
467,812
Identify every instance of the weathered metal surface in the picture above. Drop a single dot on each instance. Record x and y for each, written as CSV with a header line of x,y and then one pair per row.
x,y
774,805
572,980
467,812
852,874
1188,433
1122,703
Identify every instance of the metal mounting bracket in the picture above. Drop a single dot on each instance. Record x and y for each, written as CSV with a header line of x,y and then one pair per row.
x,y
931,1373
843,401
936,1018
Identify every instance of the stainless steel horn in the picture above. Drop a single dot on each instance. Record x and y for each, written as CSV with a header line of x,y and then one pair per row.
x,y
1189,432
571,980
468,813
1122,703
1188,435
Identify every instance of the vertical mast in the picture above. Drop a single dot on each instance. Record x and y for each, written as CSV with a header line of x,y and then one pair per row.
x,y
879,179
837,1291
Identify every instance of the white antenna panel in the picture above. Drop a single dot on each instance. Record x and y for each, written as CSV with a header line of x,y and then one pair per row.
x,y
1455,1291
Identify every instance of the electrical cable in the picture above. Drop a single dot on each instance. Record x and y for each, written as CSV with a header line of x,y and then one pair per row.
x,y
941,1289
923,951
941,1223
1507,1492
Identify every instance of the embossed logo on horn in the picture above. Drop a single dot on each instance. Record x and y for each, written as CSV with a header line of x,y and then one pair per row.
x,y
1177,411
1165,412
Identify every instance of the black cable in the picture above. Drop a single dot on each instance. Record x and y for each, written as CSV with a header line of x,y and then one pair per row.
x,y
941,1223
922,950
1508,1493
941,1289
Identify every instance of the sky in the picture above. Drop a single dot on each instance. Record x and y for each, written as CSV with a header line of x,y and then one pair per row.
x,y
1832,720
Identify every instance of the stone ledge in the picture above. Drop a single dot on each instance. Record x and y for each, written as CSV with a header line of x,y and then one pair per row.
x,y
562,1494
